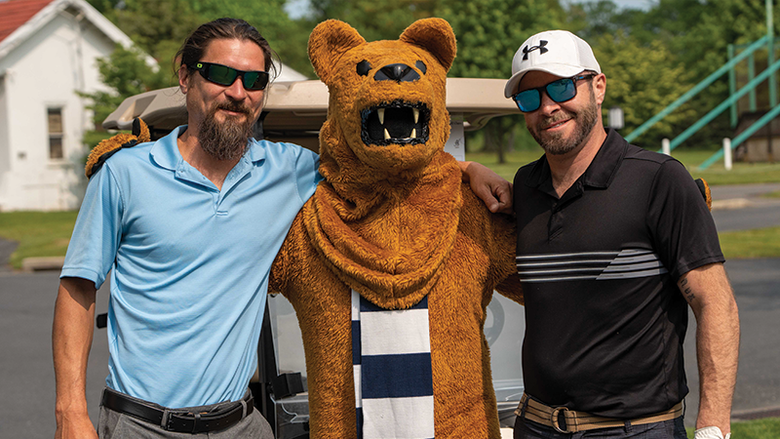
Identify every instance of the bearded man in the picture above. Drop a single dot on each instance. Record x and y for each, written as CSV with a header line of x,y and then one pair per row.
x,y
189,226
612,242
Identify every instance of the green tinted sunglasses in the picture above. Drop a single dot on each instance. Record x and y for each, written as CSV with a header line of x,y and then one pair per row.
x,y
224,75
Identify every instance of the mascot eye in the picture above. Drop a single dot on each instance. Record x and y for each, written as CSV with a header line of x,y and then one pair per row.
x,y
421,65
363,67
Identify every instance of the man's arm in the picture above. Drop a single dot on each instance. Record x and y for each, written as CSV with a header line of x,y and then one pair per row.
x,y
74,314
493,190
709,294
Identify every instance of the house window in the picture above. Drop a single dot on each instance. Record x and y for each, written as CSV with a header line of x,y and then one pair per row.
x,y
55,134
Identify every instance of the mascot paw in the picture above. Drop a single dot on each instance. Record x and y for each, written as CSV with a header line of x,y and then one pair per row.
x,y
108,147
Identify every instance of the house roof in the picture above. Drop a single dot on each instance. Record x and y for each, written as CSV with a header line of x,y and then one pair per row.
x,y
23,18
18,12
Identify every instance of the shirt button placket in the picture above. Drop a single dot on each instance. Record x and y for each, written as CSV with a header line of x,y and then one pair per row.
x,y
217,204
556,222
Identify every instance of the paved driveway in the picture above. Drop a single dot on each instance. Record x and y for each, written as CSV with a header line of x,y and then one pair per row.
x,y
743,207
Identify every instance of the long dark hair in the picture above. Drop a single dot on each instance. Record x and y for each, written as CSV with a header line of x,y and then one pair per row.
x,y
222,28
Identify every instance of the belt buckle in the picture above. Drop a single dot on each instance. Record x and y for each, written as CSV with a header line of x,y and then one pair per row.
x,y
554,418
176,420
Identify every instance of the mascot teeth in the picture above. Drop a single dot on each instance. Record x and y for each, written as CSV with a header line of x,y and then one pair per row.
x,y
395,123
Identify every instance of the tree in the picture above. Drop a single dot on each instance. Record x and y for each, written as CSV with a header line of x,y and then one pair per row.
x,y
694,36
288,38
157,27
489,33
374,19
125,73
698,33
597,18
642,80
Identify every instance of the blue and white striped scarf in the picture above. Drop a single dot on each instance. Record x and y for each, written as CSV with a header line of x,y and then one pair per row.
x,y
391,357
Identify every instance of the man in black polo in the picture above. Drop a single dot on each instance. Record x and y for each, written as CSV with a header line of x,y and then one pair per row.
x,y
613,241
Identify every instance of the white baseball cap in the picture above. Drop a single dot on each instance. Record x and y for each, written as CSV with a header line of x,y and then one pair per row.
x,y
559,52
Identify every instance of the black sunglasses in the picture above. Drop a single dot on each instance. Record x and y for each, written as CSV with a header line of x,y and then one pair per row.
x,y
559,91
224,75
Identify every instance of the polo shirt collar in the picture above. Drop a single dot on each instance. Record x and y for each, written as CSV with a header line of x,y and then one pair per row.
x,y
165,152
600,172
604,167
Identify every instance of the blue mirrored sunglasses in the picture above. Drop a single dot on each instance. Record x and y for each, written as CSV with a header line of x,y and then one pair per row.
x,y
561,90
224,75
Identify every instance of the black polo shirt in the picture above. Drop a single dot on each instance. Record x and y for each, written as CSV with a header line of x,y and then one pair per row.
x,y
605,320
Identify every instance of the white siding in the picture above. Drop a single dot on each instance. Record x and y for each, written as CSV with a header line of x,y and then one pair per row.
x,y
5,154
45,72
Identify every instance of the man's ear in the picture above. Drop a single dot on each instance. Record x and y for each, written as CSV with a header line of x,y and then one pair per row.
x,y
184,78
434,35
327,42
600,87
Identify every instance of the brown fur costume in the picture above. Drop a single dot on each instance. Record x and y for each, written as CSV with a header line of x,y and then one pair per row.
x,y
393,221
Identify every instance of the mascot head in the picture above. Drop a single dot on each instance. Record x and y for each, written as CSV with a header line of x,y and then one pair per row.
x,y
387,112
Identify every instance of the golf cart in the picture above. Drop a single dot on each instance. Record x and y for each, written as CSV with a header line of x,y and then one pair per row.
x,y
294,112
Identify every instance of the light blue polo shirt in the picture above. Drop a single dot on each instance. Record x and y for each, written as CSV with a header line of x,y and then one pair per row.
x,y
190,264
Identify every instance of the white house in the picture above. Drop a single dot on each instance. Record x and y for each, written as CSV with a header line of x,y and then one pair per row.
x,y
47,53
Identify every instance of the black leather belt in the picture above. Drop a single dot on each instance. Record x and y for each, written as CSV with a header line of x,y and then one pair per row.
x,y
180,420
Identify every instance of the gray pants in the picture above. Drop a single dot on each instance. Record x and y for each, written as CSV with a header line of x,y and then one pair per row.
x,y
115,425
672,429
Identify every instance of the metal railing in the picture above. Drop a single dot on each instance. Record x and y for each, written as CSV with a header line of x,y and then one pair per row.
x,y
715,112
765,119
731,102
698,88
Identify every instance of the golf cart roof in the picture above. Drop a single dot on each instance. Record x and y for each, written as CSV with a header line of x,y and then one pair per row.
x,y
295,111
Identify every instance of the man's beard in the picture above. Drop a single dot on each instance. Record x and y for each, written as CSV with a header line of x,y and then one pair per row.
x,y
584,120
227,140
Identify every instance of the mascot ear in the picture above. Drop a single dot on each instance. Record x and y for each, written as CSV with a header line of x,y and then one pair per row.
x,y
328,41
436,36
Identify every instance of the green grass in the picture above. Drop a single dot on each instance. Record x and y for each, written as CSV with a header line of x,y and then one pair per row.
x,y
775,194
759,429
514,160
746,244
38,233
741,173
767,428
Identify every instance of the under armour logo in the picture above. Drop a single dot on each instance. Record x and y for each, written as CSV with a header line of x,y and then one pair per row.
x,y
542,49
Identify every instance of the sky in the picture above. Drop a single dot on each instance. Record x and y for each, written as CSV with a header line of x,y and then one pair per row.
x,y
632,4
635,4
296,8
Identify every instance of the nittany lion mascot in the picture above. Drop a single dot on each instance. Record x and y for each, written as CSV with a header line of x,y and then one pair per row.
x,y
392,262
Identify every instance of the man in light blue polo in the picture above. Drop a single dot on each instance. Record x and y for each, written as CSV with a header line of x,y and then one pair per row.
x,y
189,226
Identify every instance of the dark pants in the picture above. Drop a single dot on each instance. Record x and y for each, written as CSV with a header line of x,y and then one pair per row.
x,y
115,425
673,429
